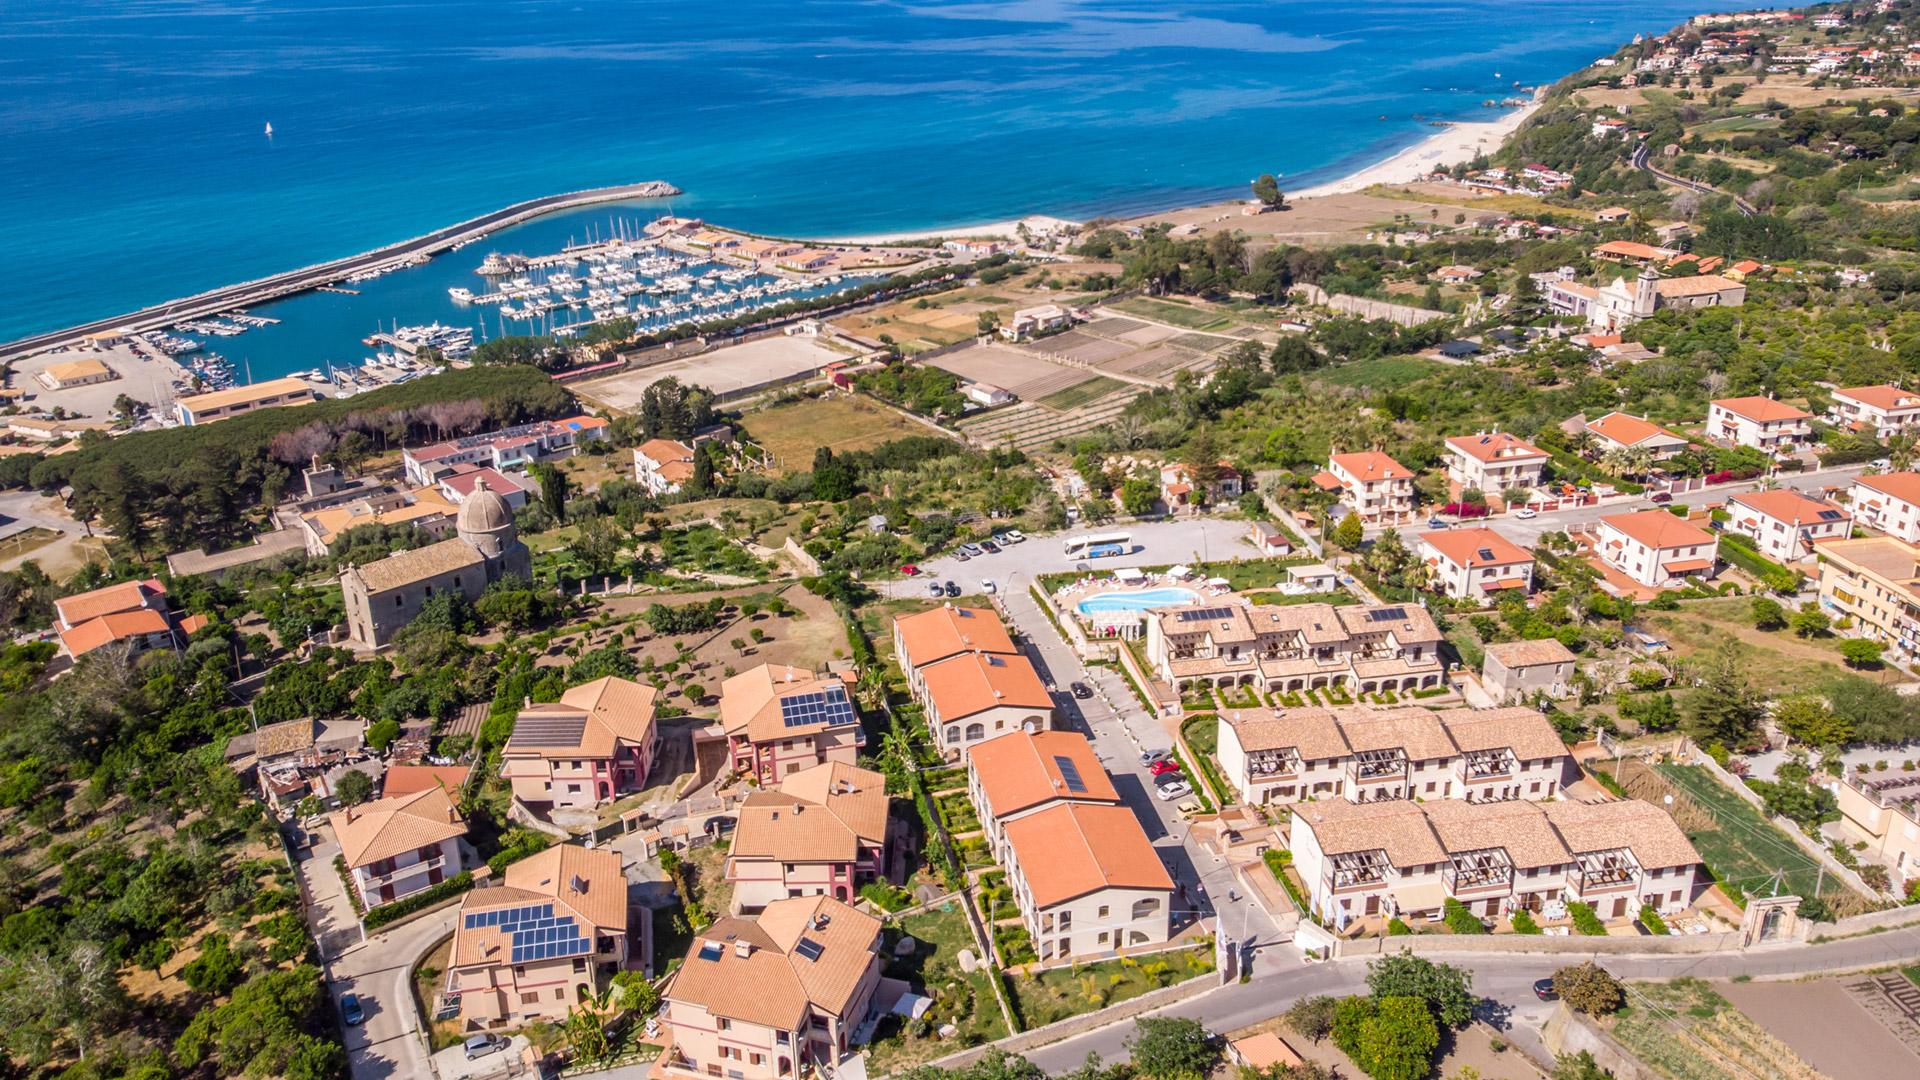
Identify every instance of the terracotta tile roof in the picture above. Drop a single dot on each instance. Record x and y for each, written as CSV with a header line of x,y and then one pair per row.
x,y
465,477
1371,465
772,985
672,459
241,395
1631,250
125,596
1785,504
1645,829
1312,732
1517,827
1399,828
1904,486
407,779
1496,446
1022,769
590,720
405,568
1659,530
927,637
286,737
582,883
750,701
1411,623
1527,732
1697,285
107,629
1470,548
1265,1050
387,827
962,686
1415,730
1519,654
1761,410
826,813
1619,427
1074,849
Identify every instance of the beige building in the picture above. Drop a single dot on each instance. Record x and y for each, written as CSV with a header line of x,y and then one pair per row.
x,y
662,466
383,596
821,831
1889,502
1784,524
594,745
1875,581
774,996
1879,412
1492,462
927,637
71,373
1759,422
397,846
1021,773
782,720
976,696
1087,880
529,948
1622,431
1364,754
1372,485
1882,810
1657,549
1283,648
1520,669
425,509
1476,564
225,404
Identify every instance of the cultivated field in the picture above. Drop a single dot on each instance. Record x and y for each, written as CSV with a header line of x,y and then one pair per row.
x,y
791,433
1026,376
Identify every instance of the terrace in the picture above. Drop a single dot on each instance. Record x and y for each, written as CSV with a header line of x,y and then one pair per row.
x,y
1359,870
1274,764
1889,792
1495,764
1369,766
1607,871
1487,871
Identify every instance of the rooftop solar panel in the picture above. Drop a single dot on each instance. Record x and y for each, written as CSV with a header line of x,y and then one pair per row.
x,y
1203,614
1387,614
830,706
1070,774
809,948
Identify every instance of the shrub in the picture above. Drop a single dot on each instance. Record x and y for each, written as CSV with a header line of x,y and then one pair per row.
x,y
1460,920
1523,922
427,897
1651,919
1589,988
1396,927
1585,921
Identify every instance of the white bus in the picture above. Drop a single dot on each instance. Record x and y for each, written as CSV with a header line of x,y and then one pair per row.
x,y
1077,544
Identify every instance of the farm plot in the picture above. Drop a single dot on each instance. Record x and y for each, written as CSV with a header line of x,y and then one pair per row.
x,y
1020,373
1080,348
1030,427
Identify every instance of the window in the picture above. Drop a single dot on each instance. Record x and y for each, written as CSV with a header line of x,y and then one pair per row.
x,y
1103,912
559,993
725,1024
529,998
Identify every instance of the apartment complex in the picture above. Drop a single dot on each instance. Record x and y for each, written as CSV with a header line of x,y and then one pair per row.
x,y
1875,581
821,831
975,684
1407,859
1889,502
1759,422
508,448
1784,524
552,930
1087,880
1364,754
773,996
1475,564
1021,773
1882,810
925,638
779,721
226,404
1657,549
1373,485
396,846
1494,461
1879,412
595,744
1296,647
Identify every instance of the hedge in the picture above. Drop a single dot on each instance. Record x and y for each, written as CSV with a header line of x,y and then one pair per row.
x,y
426,897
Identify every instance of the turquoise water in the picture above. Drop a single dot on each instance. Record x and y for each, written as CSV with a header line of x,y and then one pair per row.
x,y
1144,600
134,168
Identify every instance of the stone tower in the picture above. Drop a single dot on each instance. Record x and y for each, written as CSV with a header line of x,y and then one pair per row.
x,y
486,523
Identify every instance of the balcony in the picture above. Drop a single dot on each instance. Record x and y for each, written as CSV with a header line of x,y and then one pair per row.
x,y
374,881
1479,765
1358,870
1479,873
1605,872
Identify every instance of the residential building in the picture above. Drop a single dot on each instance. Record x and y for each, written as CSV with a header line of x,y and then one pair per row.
x,y
71,373
1882,811
508,448
383,596
986,395
131,613
1875,582
1087,881
1020,773
1759,422
780,720
1034,321
1406,859
1618,305
425,509
455,486
1295,647
1656,549
411,779
225,404
1494,461
595,744
1512,670
1622,431
927,637
975,696
662,466
817,832
553,930
772,997
1365,754
1179,486
1635,254
1785,524
1475,564
1269,539
397,846
1880,412
1889,502
1373,485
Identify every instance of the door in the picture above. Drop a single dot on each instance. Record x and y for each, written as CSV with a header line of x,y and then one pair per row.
x,y
1373,905
1619,907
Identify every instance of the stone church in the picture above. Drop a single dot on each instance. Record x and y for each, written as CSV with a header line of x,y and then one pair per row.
x,y
385,595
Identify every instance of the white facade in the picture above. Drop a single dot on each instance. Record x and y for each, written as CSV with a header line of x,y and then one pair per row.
x,y
1785,525
387,880
1760,423
1879,411
1654,554
1890,503
1493,462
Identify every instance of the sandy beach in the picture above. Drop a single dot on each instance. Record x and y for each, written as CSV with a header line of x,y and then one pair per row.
x,y
1036,223
1452,144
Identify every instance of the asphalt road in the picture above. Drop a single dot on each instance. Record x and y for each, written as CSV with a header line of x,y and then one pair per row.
x,y
1015,568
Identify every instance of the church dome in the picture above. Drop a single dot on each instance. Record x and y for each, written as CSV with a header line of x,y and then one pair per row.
x,y
484,512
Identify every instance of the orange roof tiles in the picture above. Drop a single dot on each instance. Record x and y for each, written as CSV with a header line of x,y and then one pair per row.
x,y
387,827
1023,769
1370,466
962,686
747,970
1073,849
750,701
1475,547
930,636
1904,486
407,779
107,629
611,710
1885,398
125,596
1658,529
1761,410
1791,506
1619,427
1496,446
826,813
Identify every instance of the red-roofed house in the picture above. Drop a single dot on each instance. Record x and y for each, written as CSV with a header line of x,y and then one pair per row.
x,y
662,466
1880,411
459,484
1494,461
1473,564
1656,548
1620,431
1177,486
1785,524
1759,422
1375,486
132,612
1889,502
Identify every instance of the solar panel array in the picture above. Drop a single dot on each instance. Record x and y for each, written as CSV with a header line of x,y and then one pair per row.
x,y
1203,614
809,948
539,730
1829,515
831,706
1387,614
537,933
1070,773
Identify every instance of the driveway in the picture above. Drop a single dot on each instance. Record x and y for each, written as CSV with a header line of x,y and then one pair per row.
x,y
1155,543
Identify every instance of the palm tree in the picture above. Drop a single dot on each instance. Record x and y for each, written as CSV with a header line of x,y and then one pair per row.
x,y
1627,462
1900,453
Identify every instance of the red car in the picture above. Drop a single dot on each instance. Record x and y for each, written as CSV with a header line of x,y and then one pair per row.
x,y
1163,767
909,570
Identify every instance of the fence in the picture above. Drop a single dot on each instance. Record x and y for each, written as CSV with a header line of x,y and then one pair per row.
x,y
1399,314
1443,944
1793,832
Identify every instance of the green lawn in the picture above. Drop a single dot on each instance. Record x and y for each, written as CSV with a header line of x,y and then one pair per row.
x,y
1075,396
1202,733
963,999
1059,993
1386,373
1175,314
1243,575
1746,848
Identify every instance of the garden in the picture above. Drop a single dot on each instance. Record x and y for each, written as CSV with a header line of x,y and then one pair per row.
x,y
961,998
1045,997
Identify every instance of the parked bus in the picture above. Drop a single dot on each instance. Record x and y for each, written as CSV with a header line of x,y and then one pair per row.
x,y
1104,551
1077,544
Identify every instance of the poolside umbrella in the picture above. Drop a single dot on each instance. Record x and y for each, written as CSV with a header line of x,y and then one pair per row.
x,y
1218,581
1181,571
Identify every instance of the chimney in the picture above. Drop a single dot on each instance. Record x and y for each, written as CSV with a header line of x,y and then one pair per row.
x,y
743,949
578,883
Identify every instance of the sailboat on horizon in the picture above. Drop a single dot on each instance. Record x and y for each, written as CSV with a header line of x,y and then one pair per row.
x,y
269,129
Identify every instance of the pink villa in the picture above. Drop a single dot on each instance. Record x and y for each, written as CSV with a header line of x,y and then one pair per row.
x,y
782,720
594,745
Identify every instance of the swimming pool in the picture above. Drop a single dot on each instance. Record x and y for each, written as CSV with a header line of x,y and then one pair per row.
x,y
1144,600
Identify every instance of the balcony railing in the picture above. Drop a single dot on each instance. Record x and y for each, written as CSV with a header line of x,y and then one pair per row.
x,y
398,872
1477,880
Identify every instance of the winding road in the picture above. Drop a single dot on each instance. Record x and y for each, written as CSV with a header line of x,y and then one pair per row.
x,y
1640,162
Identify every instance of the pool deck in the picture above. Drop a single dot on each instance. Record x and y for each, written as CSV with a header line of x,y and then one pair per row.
x,y
1068,598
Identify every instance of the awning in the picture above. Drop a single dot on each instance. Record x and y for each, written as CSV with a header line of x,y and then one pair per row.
x,y
1218,581
1505,583
1326,481
1129,574
1416,898
1180,571
1687,566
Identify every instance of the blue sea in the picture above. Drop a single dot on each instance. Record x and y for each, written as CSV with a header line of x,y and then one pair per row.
x,y
134,167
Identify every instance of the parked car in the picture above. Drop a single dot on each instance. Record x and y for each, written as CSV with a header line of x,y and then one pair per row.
x,y
989,547
1543,989
909,570
350,1010
1169,779
1526,513
1435,523
934,590
1080,690
962,556
1013,536
952,589
987,586
1170,792
1661,497
971,549
1162,767
1188,808
1148,757
481,1045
